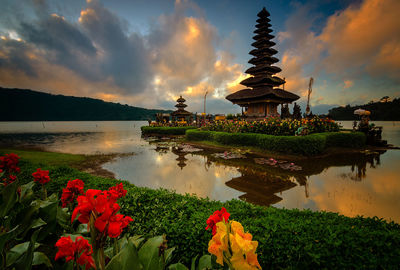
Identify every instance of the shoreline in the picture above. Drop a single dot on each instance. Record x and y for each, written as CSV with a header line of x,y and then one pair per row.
x,y
91,164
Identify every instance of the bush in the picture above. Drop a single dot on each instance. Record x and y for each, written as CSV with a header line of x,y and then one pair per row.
x,y
341,139
287,238
165,130
305,145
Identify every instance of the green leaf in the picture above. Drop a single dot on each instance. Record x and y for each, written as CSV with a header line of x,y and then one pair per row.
x,y
16,252
193,266
5,237
64,219
205,262
126,259
177,266
136,240
48,212
10,197
41,258
82,229
26,261
148,254
168,255
37,223
26,192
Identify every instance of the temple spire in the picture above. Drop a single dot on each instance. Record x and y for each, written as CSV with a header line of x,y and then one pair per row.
x,y
262,96
263,70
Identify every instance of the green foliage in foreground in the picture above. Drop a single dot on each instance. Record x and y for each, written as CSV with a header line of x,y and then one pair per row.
x,y
287,238
305,145
165,130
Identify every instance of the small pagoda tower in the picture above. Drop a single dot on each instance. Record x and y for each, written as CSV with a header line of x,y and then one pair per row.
x,y
262,96
181,115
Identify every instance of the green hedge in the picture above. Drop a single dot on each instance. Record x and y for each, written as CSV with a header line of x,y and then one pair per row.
x,y
305,145
287,238
345,139
165,130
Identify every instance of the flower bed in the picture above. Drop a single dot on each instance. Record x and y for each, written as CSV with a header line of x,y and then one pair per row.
x,y
147,130
274,126
286,238
305,145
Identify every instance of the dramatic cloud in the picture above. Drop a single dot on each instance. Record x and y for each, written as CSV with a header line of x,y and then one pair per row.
x,y
186,61
97,56
359,42
364,36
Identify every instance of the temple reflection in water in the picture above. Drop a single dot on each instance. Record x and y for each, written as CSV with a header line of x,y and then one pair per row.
x,y
264,185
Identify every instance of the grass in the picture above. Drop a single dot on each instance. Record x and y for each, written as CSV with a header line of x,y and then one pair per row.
x,y
46,158
289,239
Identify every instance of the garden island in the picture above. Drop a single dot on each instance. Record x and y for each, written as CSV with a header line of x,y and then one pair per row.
x,y
65,211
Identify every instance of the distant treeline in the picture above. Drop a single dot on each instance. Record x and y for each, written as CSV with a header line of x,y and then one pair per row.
x,y
28,105
380,111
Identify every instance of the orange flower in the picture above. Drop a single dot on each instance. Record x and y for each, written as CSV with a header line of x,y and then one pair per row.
x,y
219,243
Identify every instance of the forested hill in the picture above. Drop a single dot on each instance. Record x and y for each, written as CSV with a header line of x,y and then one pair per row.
x,y
380,111
28,105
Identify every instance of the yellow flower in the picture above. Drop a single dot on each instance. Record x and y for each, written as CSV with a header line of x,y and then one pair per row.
x,y
219,243
243,248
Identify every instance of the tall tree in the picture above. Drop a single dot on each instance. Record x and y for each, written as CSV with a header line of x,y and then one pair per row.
x,y
296,111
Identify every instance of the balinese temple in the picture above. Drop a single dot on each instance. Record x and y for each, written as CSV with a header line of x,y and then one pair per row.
x,y
262,95
181,114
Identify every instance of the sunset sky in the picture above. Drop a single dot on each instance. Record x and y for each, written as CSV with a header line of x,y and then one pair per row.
x,y
146,53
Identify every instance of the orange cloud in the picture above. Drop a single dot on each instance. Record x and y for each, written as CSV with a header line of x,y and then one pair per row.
x,y
348,84
292,71
364,35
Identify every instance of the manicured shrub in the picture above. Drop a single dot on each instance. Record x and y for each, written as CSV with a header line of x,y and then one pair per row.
x,y
348,139
305,145
199,135
165,130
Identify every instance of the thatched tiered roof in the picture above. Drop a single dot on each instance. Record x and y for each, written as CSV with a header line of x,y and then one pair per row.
x,y
263,83
181,108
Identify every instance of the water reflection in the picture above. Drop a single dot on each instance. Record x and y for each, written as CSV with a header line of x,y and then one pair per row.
x,y
264,184
364,183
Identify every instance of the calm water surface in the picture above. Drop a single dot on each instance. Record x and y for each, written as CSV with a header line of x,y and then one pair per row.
x,y
353,184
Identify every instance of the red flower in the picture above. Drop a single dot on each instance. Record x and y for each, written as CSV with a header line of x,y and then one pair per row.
x,y
41,176
9,180
71,192
9,163
103,206
79,251
218,216
117,191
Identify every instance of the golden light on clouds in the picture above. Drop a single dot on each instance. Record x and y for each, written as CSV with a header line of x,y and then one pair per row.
x,y
194,30
199,89
85,13
293,73
235,85
364,35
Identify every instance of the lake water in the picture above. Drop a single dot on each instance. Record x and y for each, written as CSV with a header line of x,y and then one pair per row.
x,y
365,183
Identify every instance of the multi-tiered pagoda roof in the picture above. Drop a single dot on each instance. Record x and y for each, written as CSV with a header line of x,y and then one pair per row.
x,y
181,112
263,84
